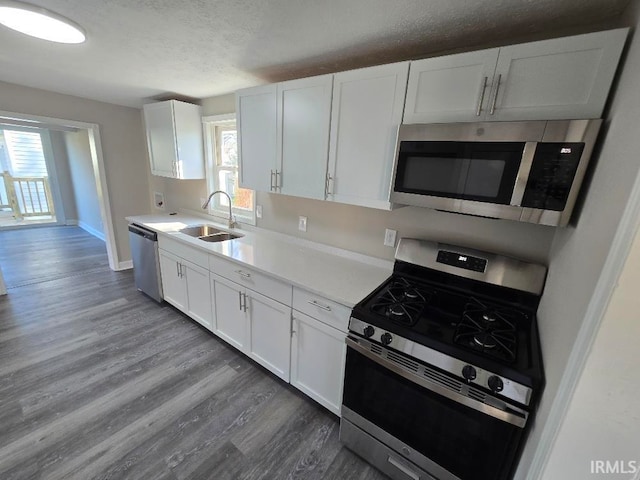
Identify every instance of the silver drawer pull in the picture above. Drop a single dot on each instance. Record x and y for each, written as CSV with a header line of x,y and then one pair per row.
x,y
319,305
403,469
243,274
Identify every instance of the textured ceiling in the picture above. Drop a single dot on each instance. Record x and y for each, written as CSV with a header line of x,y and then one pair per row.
x,y
144,49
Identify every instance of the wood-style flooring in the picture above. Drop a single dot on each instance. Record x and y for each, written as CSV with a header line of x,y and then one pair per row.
x,y
98,381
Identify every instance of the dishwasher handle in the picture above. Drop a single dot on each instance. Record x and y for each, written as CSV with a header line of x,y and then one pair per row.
x,y
143,232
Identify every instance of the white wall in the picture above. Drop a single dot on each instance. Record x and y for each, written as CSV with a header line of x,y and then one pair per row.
x,y
579,252
603,421
122,144
83,182
63,175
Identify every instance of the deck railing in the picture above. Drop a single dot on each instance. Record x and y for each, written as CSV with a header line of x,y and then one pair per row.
x,y
26,196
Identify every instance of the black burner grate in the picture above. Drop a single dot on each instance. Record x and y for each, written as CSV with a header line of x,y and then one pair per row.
x,y
489,330
402,302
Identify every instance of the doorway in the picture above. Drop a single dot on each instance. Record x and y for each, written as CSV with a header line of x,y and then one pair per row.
x,y
27,178
94,174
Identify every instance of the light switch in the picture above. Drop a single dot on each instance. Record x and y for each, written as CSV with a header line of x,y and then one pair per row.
x,y
390,237
302,224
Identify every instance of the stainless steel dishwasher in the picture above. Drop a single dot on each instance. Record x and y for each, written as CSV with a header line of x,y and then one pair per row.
x,y
146,263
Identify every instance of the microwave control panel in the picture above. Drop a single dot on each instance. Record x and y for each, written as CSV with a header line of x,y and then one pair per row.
x,y
552,171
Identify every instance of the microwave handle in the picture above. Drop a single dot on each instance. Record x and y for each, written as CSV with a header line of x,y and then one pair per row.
x,y
526,162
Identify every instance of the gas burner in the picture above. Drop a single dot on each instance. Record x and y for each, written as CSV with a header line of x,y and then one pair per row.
x,y
401,302
490,330
485,340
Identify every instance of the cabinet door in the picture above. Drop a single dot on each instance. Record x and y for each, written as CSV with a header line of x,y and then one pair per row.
x,y
158,118
304,113
173,285
453,88
189,142
198,291
365,115
270,333
231,320
317,361
256,120
557,79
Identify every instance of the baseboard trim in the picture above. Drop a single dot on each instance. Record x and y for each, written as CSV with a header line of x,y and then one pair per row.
x,y
91,230
126,265
71,223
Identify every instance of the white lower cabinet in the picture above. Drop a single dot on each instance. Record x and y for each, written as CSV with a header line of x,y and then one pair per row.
x,y
231,321
253,313
317,360
269,333
186,287
256,325
173,288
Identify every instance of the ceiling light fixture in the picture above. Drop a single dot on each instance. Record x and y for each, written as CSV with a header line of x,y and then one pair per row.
x,y
39,22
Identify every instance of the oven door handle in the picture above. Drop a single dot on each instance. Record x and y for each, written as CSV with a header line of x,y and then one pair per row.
x,y
512,415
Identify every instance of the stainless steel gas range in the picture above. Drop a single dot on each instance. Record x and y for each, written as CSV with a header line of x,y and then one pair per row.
x,y
444,369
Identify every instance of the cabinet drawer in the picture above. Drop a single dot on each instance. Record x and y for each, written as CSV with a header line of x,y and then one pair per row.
x,y
182,250
327,311
259,282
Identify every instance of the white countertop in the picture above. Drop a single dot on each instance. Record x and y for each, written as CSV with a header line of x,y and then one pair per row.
x,y
342,276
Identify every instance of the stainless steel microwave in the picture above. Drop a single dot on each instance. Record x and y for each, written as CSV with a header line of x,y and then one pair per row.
x,y
525,171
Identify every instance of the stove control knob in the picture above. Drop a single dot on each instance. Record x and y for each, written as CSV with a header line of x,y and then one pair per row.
x,y
495,383
469,373
386,338
368,331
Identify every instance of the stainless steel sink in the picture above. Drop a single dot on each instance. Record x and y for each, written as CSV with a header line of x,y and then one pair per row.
x,y
208,233
201,230
218,237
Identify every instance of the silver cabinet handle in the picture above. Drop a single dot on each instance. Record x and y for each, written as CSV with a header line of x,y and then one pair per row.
x,y
240,300
484,89
271,187
278,181
243,274
244,303
327,185
409,473
181,272
495,97
178,269
319,305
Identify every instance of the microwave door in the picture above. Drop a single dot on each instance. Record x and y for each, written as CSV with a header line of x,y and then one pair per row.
x,y
466,171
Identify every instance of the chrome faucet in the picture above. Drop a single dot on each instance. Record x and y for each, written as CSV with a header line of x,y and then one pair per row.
x,y
232,222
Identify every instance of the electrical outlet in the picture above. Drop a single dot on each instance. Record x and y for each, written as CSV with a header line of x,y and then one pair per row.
x,y
390,237
259,211
158,200
302,224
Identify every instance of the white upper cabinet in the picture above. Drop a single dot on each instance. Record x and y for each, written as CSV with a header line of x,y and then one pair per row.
x,y
563,78
557,79
174,139
304,113
256,113
454,88
365,115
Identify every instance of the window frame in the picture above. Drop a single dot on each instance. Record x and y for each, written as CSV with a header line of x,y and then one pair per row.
x,y
216,209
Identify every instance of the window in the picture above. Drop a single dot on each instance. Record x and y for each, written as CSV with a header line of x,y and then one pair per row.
x,y
222,170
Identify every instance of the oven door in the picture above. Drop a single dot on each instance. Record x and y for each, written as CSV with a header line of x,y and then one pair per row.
x,y
420,413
